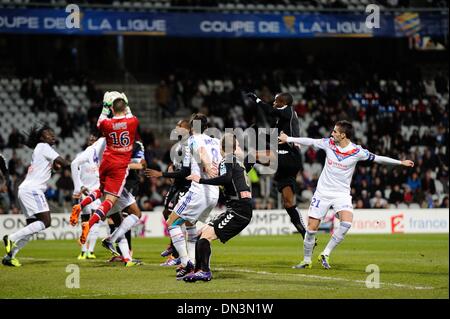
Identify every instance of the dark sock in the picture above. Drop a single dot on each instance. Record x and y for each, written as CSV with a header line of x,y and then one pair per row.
x,y
175,252
296,220
128,237
203,251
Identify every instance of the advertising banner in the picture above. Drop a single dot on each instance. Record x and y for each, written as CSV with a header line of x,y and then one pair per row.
x,y
264,222
223,25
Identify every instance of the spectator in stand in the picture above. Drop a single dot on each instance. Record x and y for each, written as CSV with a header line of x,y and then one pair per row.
x,y
28,89
414,182
378,201
15,165
444,203
15,139
408,195
428,185
163,98
396,196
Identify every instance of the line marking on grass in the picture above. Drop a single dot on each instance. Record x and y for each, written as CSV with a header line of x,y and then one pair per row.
x,y
323,278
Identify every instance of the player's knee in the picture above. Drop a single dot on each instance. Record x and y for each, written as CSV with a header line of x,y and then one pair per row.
x,y
47,221
208,233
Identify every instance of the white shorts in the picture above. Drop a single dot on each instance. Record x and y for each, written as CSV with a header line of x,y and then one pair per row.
x,y
32,202
91,207
320,204
194,207
126,199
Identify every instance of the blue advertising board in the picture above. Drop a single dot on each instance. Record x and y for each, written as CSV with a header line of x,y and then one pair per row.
x,y
304,25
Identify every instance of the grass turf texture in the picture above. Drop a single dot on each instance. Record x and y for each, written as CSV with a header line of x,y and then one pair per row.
x,y
411,266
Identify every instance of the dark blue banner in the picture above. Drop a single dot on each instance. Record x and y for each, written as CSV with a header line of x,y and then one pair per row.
x,y
305,25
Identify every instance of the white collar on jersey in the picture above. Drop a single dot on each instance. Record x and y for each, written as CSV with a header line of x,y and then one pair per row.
x,y
282,108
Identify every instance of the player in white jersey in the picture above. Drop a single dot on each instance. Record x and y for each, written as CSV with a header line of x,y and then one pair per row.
x,y
333,187
203,155
31,192
85,176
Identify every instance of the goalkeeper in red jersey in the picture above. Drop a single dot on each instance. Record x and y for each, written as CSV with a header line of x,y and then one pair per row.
x,y
119,131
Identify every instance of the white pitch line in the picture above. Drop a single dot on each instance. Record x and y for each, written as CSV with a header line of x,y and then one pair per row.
x,y
322,278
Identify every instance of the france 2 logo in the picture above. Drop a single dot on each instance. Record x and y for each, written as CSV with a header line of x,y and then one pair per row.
x,y
397,224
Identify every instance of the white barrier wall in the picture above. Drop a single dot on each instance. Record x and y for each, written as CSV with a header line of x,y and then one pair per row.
x,y
264,222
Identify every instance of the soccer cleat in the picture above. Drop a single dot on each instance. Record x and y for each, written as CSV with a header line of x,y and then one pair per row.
x,y
198,276
324,260
90,255
133,262
167,252
110,246
9,245
303,265
82,256
76,210
84,232
12,262
183,271
171,261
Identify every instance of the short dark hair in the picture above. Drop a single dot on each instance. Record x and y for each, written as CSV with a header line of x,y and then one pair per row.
x,y
199,117
287,98
346,127
119,105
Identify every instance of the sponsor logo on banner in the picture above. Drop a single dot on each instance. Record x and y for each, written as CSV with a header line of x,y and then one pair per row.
x,y
397,224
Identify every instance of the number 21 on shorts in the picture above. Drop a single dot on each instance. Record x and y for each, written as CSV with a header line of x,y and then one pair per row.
x,y
315,202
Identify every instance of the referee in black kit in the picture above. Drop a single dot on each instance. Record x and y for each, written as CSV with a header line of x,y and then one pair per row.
x,y
289,157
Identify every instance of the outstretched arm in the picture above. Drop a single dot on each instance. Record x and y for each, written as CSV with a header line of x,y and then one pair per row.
x,y
390,161
318,143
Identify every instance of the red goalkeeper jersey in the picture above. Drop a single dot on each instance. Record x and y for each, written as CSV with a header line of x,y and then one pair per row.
x,y
120,133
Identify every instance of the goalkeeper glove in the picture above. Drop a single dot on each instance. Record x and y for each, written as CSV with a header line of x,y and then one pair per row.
x,y
107,103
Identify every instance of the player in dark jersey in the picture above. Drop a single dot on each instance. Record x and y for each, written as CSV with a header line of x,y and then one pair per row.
x,y
132,185
238,212
178,188
289,156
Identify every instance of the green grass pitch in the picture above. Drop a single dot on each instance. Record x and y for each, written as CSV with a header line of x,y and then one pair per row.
x,y
411,266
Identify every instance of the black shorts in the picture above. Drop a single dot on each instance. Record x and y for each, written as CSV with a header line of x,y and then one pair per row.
x,y
231,222
172,197
289,165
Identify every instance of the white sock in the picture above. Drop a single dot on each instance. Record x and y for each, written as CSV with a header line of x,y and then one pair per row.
x,y
178,240
337,238
92,237
31,229
308,245
20,244
84,247
192,237
124,249
126,225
